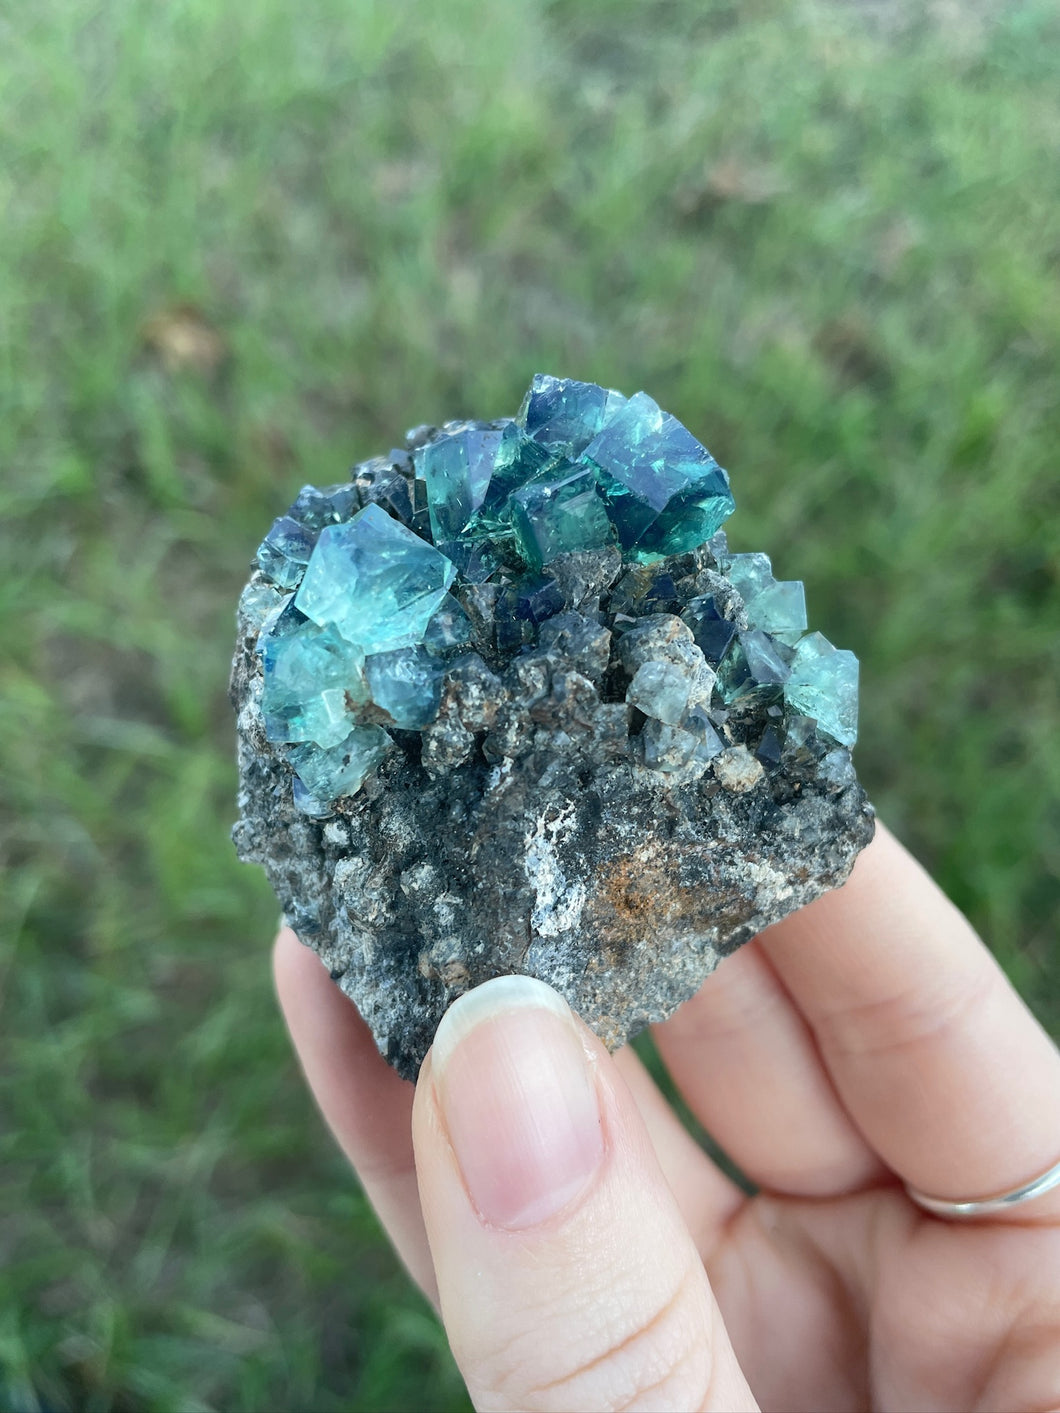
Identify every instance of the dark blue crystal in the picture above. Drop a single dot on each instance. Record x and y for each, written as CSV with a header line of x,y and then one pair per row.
x,y
511,633
315,507
768,749
565,415
284,552
661,592
387,488
711,632
538,599
753,666
713,639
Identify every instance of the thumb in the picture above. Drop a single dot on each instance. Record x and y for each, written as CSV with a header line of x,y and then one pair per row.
x,y
566,1275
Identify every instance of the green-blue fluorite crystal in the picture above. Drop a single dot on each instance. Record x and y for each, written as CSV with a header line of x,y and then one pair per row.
x,y
375,581
284,552
565,415
329,773
775,607
405,683
664,491
368,624
823,683
313,678
753,666
314,507
457,470
551,518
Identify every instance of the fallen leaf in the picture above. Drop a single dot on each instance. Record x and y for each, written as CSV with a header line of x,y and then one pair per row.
x,y
183,339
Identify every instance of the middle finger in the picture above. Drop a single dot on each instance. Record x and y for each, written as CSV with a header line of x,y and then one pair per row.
x,y
749,1068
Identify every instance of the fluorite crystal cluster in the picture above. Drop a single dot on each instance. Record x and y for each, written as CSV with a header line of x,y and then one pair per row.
x,y
509,703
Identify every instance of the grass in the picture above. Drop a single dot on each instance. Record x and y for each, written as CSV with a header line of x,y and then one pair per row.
x,y
246,245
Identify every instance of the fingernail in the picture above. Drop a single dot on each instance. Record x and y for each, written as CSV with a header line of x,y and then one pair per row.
x,y
518,1100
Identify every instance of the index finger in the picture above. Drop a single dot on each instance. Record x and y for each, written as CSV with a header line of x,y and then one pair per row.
x,y
367,1106
936,1057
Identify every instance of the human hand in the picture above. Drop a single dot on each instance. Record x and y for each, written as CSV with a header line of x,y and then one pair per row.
x,y
586,1254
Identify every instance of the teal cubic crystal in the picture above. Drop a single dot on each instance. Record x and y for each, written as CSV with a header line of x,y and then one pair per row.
x,y
824,684
519,461
781,611
456,470
664,492
558,517
375,581
406,684
313,678
777,607
565,415
537,598
750,574
283,619
309,804
329,773
469,476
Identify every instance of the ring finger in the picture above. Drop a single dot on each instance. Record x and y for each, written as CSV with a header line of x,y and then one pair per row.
x,y
935,1056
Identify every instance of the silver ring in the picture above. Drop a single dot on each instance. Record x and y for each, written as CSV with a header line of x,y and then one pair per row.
x,y
986,1206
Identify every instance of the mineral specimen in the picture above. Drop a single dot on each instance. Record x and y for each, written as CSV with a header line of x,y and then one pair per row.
x,y
507,702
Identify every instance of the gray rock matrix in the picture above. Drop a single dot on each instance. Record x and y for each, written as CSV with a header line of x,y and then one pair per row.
x,y
543,824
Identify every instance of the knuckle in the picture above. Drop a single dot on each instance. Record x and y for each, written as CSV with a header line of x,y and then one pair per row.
x,y
616,1353
908,1020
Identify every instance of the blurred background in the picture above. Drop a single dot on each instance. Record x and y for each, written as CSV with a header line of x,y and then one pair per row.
x,y
244,246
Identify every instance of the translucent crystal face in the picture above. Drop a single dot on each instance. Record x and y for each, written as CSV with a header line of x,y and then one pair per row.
x,y
375,581
579,468
776,608
385,576
313,680
823,684
664,492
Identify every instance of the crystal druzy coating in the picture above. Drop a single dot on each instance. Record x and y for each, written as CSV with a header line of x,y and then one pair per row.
x,y
541,609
